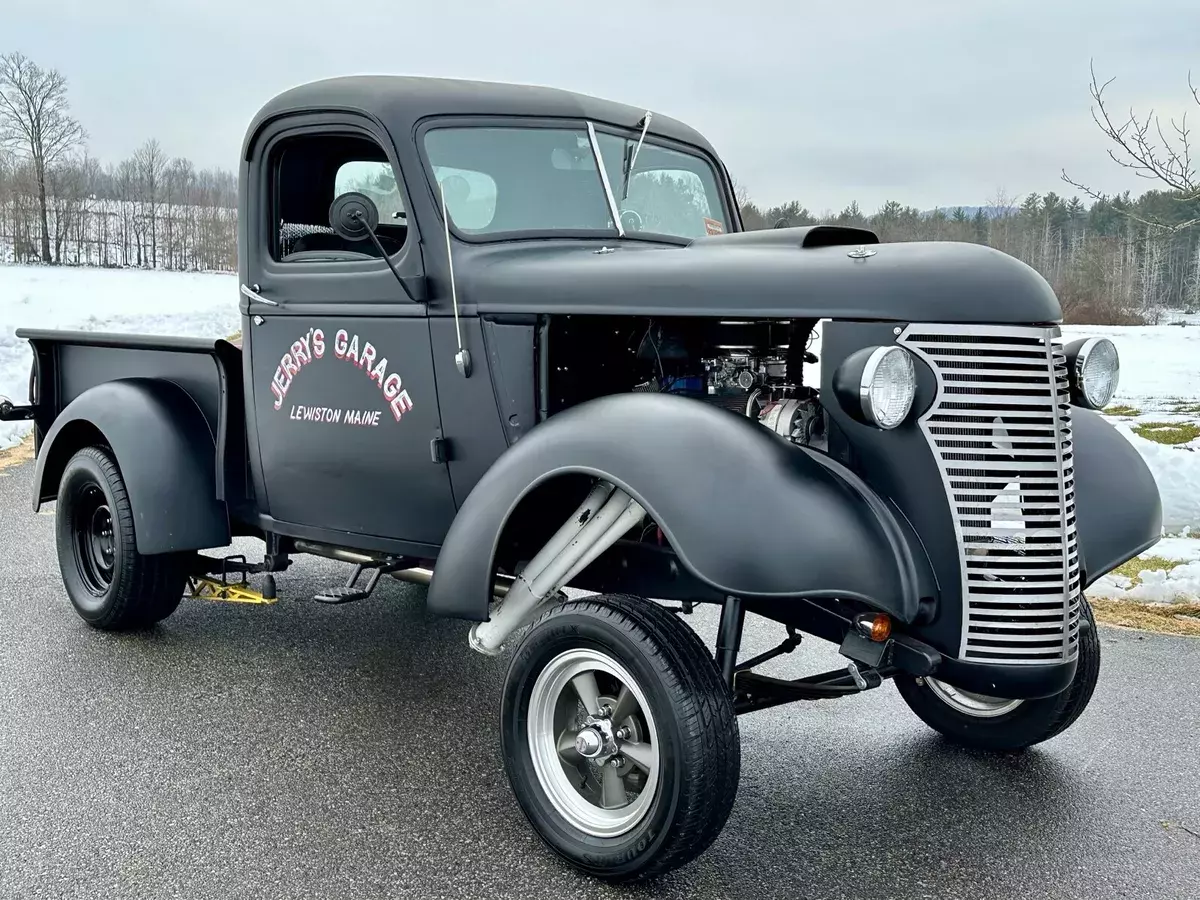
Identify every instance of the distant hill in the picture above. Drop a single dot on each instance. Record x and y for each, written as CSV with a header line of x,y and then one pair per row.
x,y
991,212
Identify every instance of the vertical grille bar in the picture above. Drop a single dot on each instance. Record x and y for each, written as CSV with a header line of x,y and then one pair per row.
x,y
1000,429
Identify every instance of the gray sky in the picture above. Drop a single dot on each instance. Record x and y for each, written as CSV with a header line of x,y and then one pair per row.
x,y
923,101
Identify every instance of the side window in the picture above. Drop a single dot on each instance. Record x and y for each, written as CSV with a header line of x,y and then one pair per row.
x,y
307,174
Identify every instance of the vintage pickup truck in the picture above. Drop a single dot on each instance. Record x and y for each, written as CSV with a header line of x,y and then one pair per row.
x,y
504,340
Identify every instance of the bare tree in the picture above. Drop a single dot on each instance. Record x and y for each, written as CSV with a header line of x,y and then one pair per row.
x,y
35,120
150,162
1142,145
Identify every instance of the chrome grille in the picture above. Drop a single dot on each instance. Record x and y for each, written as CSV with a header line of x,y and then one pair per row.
x,y
1000,428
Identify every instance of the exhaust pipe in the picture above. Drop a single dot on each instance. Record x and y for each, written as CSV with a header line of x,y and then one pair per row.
x,y
421,575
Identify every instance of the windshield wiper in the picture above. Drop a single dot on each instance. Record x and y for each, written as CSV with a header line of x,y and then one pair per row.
x,y
631,158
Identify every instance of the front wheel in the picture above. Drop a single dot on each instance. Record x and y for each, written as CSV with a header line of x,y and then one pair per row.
x,y
994,723
619,737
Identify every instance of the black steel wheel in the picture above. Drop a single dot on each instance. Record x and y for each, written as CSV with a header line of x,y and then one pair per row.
x,y
619,737
110,584
994,723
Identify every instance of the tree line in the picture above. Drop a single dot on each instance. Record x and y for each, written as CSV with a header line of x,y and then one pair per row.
x,y
1106,262
59,205
1117,259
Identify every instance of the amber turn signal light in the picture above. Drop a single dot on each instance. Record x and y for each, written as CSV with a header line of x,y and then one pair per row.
x,y
876,626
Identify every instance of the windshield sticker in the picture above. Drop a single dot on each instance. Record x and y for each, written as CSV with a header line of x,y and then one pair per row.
x,y
348,348
712,226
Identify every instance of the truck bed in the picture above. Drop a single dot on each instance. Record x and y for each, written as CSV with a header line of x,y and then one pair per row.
x,y
68,363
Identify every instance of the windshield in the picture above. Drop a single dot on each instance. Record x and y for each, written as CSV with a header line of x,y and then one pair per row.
x,y
504,180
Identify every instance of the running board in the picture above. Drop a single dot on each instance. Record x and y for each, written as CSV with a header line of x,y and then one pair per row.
x,y
352,591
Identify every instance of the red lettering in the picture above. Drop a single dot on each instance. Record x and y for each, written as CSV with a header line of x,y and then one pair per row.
x,y
289,366
352,350
339,343
318,343
299,353
400,405
379,371
368,356
391,387
278,392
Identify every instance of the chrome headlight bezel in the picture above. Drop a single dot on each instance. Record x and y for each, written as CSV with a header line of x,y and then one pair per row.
x,y
1084,356
864,378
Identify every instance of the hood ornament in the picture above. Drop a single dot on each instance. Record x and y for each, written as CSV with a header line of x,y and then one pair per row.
x,y
862,252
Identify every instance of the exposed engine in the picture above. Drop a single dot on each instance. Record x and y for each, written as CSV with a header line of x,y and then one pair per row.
x,y
753,368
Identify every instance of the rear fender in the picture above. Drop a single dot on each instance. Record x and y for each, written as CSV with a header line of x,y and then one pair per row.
x,y
166,454
747,514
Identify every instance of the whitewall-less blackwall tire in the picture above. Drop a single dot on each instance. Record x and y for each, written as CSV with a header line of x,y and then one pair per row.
x,y
994,723
619,737
110,584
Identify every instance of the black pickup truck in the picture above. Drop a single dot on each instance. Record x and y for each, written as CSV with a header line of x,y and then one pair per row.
x,y
508,340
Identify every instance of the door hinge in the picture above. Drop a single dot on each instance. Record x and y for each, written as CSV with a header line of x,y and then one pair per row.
x,y
439,450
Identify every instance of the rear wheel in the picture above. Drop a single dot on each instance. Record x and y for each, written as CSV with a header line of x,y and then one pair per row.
x,y
994,723
110,584
619,737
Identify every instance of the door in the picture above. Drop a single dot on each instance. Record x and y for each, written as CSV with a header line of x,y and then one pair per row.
x,y
341,375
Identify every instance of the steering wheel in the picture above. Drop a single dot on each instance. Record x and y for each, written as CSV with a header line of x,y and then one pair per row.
x,y
631,220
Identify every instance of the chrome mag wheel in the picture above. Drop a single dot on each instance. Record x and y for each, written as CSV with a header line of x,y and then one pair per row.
x,y
593,742
969,703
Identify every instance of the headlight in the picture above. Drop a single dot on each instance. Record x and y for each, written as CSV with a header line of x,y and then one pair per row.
x,y
1094,370
877,385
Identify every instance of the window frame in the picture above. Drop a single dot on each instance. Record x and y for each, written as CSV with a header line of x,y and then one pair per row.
x,y
330,285
430,123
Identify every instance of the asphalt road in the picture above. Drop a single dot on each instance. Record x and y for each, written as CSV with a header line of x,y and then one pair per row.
x,y
305,751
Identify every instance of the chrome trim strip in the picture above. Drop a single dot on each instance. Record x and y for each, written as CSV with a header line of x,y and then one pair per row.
x,y
608,193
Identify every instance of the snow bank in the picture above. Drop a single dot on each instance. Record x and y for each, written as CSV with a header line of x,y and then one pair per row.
x,y
1159,363
1158,585
121,300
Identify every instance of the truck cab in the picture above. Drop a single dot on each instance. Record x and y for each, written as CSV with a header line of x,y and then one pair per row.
x,y
510,342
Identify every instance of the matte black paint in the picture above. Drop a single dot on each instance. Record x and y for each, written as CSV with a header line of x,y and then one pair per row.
x,y
375,479
917,281
808,528
167,456
1118,510
747,513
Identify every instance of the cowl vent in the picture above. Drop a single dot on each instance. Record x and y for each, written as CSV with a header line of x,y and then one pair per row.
x,y
805,237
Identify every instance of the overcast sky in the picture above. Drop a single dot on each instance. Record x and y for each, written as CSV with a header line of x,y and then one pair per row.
x,y
923,101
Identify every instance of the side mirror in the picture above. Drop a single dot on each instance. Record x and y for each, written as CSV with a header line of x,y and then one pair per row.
x,y
353,216
782,223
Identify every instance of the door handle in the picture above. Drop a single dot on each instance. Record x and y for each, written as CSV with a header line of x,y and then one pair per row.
x,y
253,294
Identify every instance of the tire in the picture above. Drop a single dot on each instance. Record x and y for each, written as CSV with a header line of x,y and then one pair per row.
x,y
683,724
110,584
1007,725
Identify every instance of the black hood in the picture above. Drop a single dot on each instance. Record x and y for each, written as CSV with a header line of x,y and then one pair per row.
x,y
772,275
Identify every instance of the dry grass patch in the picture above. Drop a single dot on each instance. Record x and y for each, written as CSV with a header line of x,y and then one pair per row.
x,y
1118,409
1185,408
1134,568
1172,618
14,456
1168,432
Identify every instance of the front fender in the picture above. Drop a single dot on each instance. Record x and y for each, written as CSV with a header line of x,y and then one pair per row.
x,y
1118,509
747,514
164,450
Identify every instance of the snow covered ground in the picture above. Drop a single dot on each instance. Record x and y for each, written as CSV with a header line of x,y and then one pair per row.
x,y
123,300
1160,373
